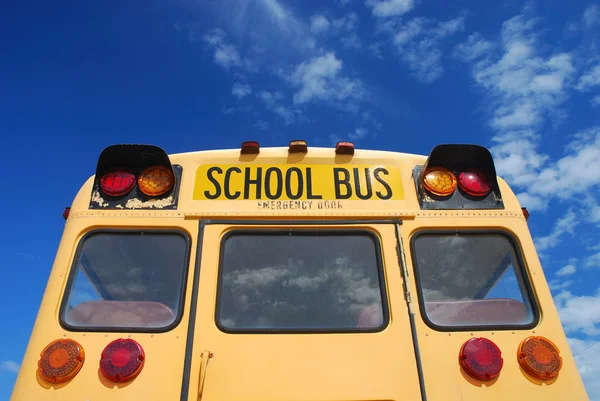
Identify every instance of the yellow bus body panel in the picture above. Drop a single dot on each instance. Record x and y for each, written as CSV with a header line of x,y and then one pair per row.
x,y
302,367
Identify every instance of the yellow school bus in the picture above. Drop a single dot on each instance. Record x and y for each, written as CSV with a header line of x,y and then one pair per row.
x,y
297,273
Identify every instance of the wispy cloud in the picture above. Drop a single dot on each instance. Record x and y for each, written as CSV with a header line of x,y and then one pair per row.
x,y
241,90
590,79
390,8
274,102
358,133
419,44
527,83
345,27
564,225
10,366
567,270
318,24
587,355
579,313
321,79
225,54
591,16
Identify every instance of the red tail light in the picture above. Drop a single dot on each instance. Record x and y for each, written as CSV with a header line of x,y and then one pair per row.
x,y
344,148
250,148
122,360
481,359
474,183
117,183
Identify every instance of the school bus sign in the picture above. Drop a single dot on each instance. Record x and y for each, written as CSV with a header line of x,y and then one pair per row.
x,y
306,182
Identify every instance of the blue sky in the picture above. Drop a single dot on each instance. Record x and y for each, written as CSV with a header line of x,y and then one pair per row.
x,y
401,75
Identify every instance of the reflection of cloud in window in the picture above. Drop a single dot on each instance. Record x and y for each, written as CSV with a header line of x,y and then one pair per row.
x,y
456,267
322,291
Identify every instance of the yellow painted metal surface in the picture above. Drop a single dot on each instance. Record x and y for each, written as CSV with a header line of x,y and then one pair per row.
x,y
351,366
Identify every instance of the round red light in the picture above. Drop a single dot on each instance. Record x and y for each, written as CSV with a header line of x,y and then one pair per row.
x,y
481,359
122,360
474,183
117,183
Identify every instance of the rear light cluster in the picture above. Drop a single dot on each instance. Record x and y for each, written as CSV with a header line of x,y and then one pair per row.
x,y
442,182
481,359
121,361
153,181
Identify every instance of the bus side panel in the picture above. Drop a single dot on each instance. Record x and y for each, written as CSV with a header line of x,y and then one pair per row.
x,y
161,376
444,378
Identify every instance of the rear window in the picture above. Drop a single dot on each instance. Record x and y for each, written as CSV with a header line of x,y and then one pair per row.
x,y
301,281
469,279
127,281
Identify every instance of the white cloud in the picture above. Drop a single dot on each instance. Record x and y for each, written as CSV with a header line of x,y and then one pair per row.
x,y
593,260
318,24
261,125
587,355
273,103
346,28
390,8
596,101
556,285
225,54
319,79
474,47
565,224
358,134
579,313
532,203
564,179
241,90
418,42
591,16
10,366
590,79
567,270
527,84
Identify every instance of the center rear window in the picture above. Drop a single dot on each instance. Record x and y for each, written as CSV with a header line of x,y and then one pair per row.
x,y
301,281
127,281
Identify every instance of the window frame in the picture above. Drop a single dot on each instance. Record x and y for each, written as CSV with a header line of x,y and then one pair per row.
x,y
372,234
520,270
73,270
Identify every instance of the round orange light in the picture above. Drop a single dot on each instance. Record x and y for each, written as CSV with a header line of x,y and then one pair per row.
x,y
156,180
539,357
61,360
439,181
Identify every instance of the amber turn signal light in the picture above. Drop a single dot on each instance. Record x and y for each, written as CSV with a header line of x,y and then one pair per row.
x,y
439,181
156,180
61,360
539,357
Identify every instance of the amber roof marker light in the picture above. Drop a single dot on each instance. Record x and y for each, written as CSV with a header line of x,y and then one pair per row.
x,y
539,357
61,360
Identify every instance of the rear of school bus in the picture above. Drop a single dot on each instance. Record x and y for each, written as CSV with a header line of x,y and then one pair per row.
x,y
297,274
